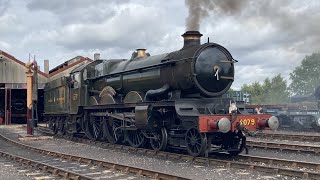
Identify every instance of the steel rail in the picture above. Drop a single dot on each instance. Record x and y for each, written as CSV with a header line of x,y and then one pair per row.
x,y
45,167
283,162
284,146
117,167
292,137
271,165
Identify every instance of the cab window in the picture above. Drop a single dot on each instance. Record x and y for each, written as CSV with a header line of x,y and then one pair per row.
x,y
75,80
84,74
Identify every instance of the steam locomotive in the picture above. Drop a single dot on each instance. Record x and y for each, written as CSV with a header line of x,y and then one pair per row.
x,y
302,116
18,106
171,100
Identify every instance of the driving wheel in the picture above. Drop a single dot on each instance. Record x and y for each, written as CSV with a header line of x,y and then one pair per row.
x,y
196,142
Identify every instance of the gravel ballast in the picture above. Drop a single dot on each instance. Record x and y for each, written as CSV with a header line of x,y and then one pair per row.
x,y
180,168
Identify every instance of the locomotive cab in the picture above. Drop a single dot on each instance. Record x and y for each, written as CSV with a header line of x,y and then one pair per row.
x,y
75,91
79,92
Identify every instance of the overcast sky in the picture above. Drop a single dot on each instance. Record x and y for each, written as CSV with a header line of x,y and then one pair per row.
x,y
267,37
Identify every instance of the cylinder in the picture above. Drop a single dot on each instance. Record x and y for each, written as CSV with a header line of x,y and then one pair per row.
x,y
222,125
262,123
213,124
272,123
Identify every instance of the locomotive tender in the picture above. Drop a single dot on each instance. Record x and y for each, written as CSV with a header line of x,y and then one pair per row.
x,y
171,100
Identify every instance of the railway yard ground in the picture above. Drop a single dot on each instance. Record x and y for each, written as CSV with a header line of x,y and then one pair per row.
x,y
260,163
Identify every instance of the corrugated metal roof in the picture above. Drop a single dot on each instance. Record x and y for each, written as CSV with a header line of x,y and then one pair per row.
x,y
70,65
10,57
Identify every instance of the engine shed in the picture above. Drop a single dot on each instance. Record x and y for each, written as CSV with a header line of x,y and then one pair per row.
x,y
13,92
13,88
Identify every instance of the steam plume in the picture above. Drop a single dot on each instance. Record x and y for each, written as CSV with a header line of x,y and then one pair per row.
x,y
199,9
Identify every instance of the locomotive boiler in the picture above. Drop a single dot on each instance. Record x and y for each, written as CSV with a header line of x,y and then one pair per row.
x,y
171,100
188,70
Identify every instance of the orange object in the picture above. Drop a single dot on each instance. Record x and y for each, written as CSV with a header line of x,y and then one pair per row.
x,y
29,101
32,88
251,122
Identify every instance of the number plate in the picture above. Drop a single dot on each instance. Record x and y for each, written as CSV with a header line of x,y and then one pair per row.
x,y
248,122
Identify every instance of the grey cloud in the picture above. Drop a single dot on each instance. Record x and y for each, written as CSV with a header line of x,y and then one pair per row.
x,y
118,34
102,25
77,11
4,4
292,22
295,23
140,30
266,36
70,5
4,45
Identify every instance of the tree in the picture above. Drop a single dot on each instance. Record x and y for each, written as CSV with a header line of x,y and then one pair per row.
x,y
256,92
305,78
274,91
231,90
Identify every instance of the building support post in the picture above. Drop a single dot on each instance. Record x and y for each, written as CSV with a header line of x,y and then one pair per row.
x,y
7,109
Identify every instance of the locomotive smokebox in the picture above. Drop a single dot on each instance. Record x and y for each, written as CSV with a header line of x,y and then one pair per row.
x,y
191,38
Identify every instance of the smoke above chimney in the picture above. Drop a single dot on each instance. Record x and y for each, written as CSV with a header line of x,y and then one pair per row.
x,y
200,9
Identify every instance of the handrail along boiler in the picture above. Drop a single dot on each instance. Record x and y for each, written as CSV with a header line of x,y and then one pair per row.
x,y
171,100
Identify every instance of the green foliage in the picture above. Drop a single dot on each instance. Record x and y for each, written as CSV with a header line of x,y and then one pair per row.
x,y
305,78
231,90
274,91
277,90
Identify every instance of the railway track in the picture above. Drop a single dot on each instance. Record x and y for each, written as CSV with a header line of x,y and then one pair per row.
x,y
291,137
284,146
305,170
261,144
19,170
45,167
69,166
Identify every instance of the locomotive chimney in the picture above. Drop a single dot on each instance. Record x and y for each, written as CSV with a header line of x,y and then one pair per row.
x,y
96,56
141,53
191,38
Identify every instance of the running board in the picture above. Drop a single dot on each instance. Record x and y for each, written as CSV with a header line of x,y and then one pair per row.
x,y
121,116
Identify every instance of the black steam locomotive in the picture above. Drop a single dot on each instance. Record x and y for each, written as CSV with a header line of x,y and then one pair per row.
x,y
18,106
170,100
